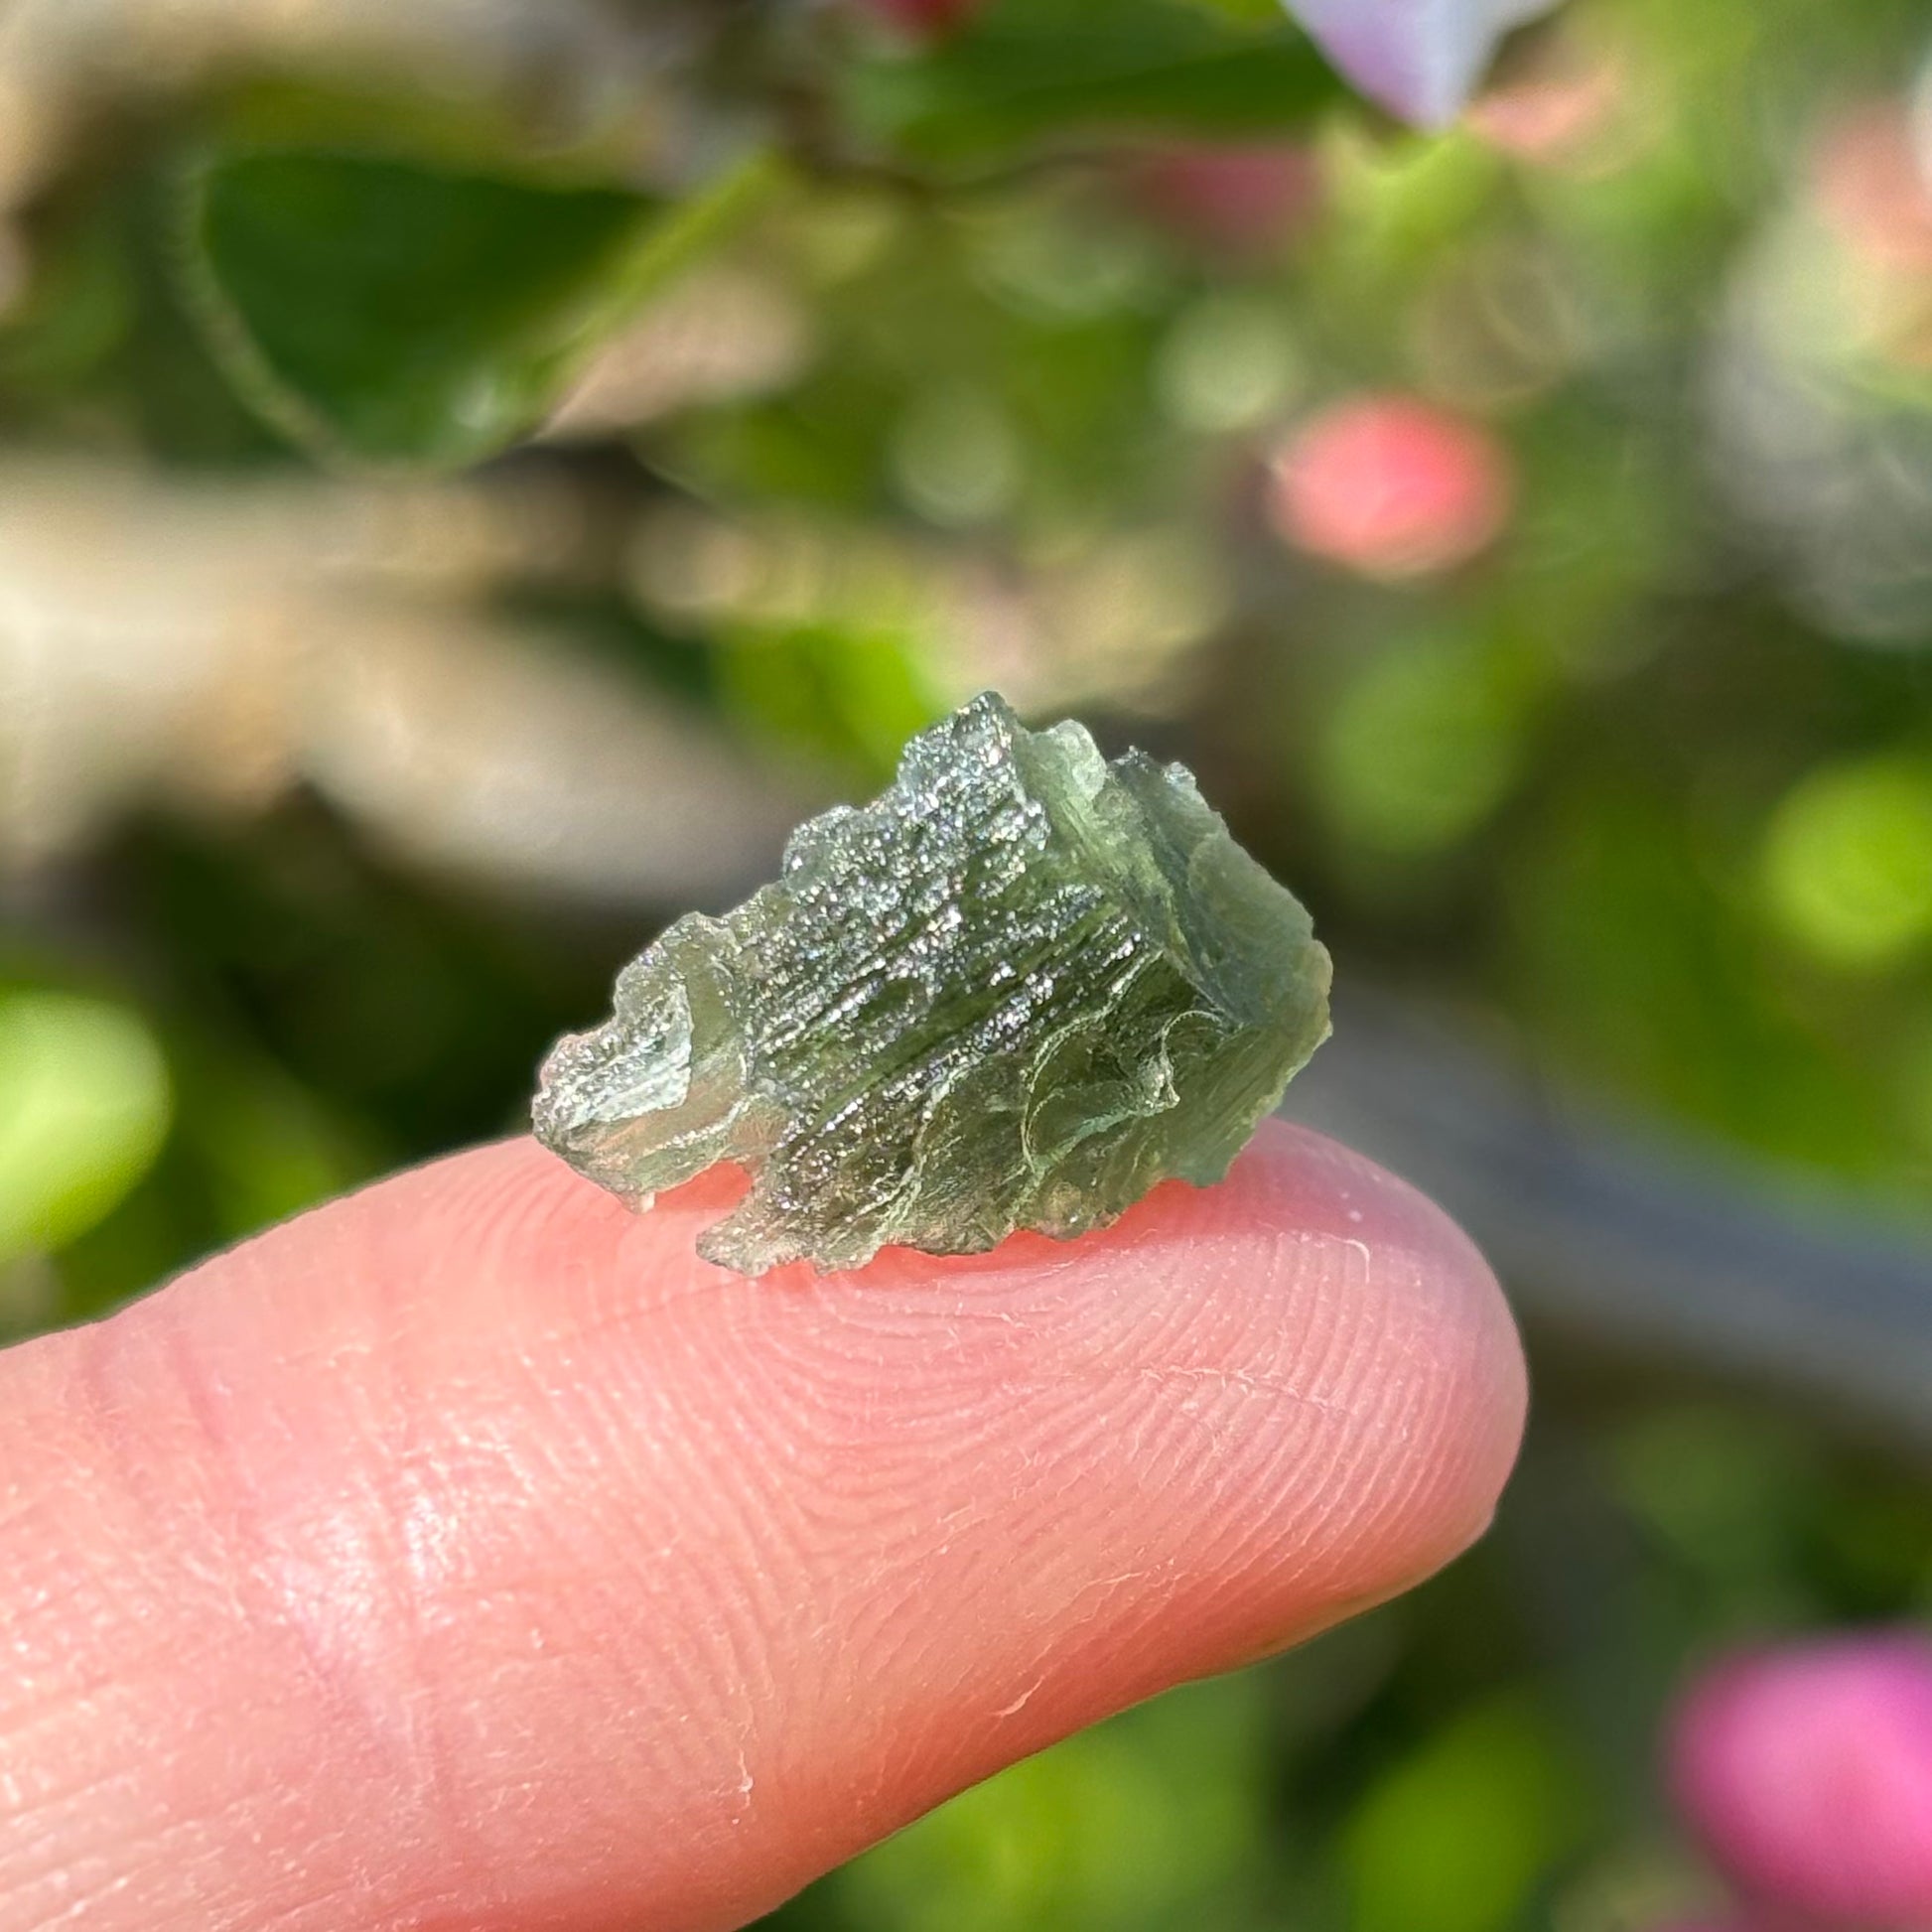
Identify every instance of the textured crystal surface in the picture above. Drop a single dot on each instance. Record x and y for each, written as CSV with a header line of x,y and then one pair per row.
x,y
1017,991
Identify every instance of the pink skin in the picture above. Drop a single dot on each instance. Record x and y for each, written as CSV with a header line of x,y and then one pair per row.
x,y
1808,1772
468,1554
1391,487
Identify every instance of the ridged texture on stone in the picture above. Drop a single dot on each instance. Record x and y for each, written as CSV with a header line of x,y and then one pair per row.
x,y
1015,992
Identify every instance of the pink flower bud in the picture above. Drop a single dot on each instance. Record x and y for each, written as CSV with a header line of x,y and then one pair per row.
x,y
1808,1772
1235,201
923,20
1391,487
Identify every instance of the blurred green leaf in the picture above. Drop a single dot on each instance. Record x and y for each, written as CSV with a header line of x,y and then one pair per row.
x,y
1425,741
1458,1835
1636,974
85,1106
1136,1825
852,692
1026,70
1399,204
1848,862
75,310
1719,1488
269,1147
383,311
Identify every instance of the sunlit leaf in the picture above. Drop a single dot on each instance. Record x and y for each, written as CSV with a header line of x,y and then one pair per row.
x,y
848,690
85,1105
1129,1828
1424,742
1848,863
386,311
1455,1837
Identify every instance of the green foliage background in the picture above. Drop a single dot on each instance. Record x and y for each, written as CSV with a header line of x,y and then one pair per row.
x,y
1647,785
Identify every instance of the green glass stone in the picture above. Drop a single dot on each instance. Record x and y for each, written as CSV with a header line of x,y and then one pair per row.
x,y
1017,991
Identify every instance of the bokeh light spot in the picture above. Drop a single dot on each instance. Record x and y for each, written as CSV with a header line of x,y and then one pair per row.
x,y
1421,746
1453,1838
955,457
1132,1824
1848,863
1391,487
85,1106
1228,363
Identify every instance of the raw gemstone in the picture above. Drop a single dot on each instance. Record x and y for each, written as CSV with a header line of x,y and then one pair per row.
x,y
1017,991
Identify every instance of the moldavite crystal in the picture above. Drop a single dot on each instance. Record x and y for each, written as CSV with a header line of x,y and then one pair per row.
x,y
1017,991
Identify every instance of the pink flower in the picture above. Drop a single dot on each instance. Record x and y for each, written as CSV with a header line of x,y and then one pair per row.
x,y
1865,180
1808,1772
1236,200
1392,487
924,19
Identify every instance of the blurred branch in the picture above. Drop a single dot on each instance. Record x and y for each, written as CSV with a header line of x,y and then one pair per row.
x,y
569,67
1637,1243
253,637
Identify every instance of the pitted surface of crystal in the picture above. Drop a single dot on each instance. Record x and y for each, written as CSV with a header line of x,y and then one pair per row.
x,y
1015,991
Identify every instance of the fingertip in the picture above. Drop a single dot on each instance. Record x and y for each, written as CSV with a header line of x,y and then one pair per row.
x,y
1440,1333
581,1580
1309,1269
1308,1372
1398,1370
